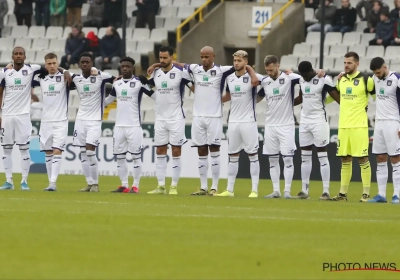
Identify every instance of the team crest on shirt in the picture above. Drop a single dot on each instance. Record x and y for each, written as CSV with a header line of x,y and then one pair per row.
x,y
281,81
315,81
172,75
356,82
389,83
92,80
24,72
58,79
132,84
245,79
213,73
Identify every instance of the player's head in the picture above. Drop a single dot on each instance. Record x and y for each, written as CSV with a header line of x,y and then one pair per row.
x,y
271,66
351,62
51,63
86,62
306,70
240,60
379,67
166,56
127,64
345,3
18,55
207,56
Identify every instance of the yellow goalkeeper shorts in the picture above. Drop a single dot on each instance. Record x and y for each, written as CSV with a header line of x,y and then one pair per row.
x,y
353,142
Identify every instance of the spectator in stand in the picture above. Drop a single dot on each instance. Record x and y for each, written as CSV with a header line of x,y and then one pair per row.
x,y
74,10
345,18
23,11
395,13
3,13
74,46
367,5
113,13
396,33
310,3
57,12
93,44
146,13
330,11
95,14
374,16
110,50
42,12
384,31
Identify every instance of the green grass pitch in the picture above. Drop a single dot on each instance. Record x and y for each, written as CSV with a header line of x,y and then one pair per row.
x,y
72,235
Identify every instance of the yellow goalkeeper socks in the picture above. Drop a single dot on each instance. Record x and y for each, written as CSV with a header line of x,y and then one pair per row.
x,y
346,173
366,176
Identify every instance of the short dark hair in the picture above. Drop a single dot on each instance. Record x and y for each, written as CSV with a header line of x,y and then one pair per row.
x,y
50,56
18,47
353,55
376,63
168,49
128,59
86,54
305,67
270,59
385,13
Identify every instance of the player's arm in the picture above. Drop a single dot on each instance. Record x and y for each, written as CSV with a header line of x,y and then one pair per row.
x,y
150,93
227,96
254,78
260,95
107,77
330,88
371,87
110,98
299,99
2,86
187,79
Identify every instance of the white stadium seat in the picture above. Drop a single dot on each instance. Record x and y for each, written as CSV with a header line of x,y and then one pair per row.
x,y
5,57
37,32
301,49
392,52
57,45
140,34
40,44
315,49
128,34
333,38
158,35
366,37
164,3
373,51
338,50
181,3
6,44
184,12
172,23
23,42
19,31
54,32
169,11
197,3
351,38
313,38
102,32
329,63
288,62
160,22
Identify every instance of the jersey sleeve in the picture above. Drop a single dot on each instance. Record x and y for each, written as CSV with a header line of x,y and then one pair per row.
x,y
144,89
35,82
260,78
113,92
328,84
107,77
229,69
295,78
370,86
2,79
151,80
38,69
186,78
261,93
227,88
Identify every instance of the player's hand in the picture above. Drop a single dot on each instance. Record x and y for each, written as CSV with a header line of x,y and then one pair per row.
x,y
321,73
9,66
150,70
67,78
94,71
143,80
340,75
255,82
288,71
118,78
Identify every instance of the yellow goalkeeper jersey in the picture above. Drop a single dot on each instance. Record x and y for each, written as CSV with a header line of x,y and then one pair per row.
x,y
354,91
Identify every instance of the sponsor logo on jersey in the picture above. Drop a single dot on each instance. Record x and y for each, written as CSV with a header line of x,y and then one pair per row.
x,y
315,81
124,92
58,79
281,81
307,90
24,72
132,84
172,75
275,91
245,79
389,83
205,78
356,82
349,90
164,84
237,88
213,73
17,81
51,87
92,80
86,88
381,91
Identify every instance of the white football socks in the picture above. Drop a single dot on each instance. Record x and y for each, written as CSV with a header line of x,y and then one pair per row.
x,y
137,169
94,167
288,172
254,172
122,169
233,167
275,172
176,170
203,169
7,162
325,170
215,169
161,169
382,177
306,166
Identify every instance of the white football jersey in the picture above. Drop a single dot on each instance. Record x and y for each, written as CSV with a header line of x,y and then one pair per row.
x,y
91,93
314,95
129,96
17,89
279,95
169,94
208,88
55,97
387,93
243,97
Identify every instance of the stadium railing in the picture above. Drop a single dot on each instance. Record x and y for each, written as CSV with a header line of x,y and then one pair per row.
x,y
199,12
278,13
